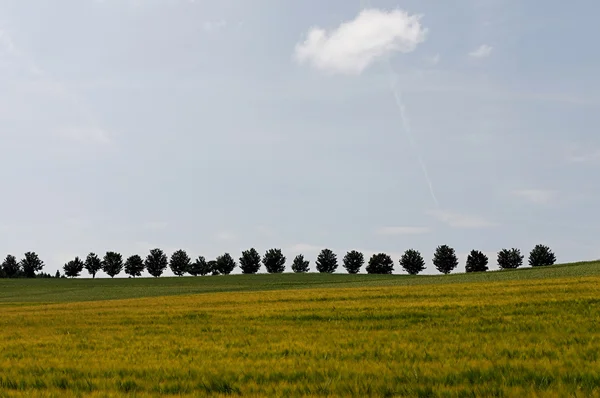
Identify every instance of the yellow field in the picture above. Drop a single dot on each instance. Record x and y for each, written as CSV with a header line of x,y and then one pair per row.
x,y
529,338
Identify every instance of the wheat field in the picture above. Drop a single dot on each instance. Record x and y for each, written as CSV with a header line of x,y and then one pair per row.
x,y
504,338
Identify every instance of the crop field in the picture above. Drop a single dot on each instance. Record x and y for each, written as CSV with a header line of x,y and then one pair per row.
x,y
516,333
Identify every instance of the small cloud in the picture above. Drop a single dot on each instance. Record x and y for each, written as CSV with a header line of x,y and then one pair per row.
x,y
536,196
481,52
402,230
457,220
355,45
213,26
93,135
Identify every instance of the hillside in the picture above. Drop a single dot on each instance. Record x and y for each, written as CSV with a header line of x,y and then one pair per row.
x,y
73,290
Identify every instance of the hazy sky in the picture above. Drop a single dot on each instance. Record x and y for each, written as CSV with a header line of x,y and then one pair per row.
x,y
216,126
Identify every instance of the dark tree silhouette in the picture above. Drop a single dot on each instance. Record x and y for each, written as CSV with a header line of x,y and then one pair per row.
x,y
31,264
11,267
225,264
93,264
541,256
380,263
445,259
274,261
73,268
199,267
250,261
326,261
510,259
300,265
180,262
412,262
353,261
476,262
112,264
156,262
134,265
57,275
212,266
2,274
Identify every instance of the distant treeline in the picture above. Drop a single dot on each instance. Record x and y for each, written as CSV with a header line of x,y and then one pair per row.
x,y
250,262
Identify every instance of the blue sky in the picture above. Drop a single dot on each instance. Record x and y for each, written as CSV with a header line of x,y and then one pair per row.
x,y
219,126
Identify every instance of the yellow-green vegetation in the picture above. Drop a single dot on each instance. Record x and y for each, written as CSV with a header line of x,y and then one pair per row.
x,y
536,337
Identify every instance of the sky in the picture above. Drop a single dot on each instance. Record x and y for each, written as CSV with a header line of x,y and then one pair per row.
x,y
380,126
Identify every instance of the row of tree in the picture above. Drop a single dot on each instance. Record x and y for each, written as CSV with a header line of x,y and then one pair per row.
x,y
250,262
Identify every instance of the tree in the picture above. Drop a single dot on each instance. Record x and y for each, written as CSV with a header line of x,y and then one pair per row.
x,y
445,259
250,261
31,264
134,265
73,268
199,267
412,262
541,256
212,266
57,275
93,264
326,261
300,265
156,262
353,261
11,267
225,264
510,259
380,263
180,262
112,264
477,262
274,261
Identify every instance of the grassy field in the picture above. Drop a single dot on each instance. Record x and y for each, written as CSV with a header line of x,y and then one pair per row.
x,y
532,332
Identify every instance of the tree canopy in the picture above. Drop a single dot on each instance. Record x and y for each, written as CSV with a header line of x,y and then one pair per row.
x,y
274,261
412,262
73,268
326,261
180,262
353,261
134,265
476,262
300,265
380,263
112,264
156,262
445,259
250,261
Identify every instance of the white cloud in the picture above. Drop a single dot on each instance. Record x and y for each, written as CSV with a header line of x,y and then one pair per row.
x,y
355,45
457,220
481,52
402,230
536,196
93,135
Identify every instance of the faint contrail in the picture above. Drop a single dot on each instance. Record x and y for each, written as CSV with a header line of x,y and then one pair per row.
x,y
405,119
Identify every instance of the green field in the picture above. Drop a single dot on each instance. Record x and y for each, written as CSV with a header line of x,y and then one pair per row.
x,y
529,332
